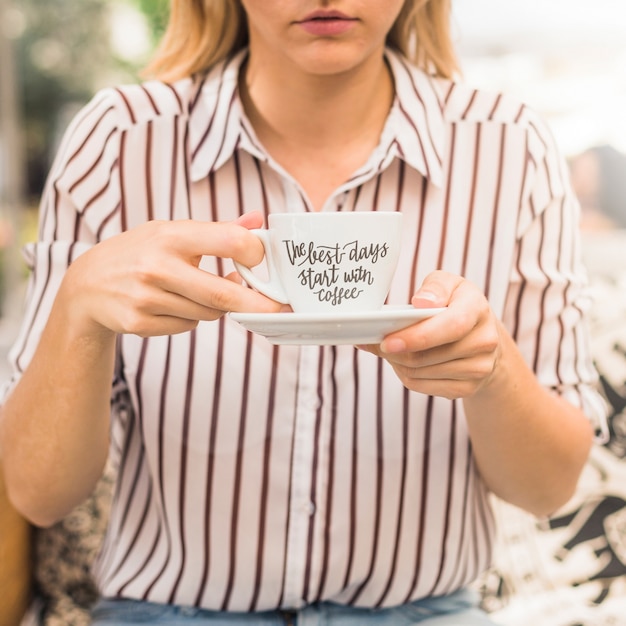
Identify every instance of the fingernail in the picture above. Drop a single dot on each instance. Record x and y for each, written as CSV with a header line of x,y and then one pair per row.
x,y
426,295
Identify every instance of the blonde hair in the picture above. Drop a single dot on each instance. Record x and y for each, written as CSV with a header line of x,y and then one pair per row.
x,y
200,33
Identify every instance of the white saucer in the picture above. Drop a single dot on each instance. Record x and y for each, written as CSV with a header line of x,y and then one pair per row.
x,y
332,328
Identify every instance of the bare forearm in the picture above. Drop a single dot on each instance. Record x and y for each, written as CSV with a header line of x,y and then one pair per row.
x,y
54,427
530,446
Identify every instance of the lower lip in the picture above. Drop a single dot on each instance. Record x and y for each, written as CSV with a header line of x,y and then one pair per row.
x,y
327,28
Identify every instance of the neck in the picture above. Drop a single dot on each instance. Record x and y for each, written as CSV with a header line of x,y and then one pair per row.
x,y
316,111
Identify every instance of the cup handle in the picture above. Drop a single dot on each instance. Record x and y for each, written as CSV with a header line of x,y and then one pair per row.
x,y
272,288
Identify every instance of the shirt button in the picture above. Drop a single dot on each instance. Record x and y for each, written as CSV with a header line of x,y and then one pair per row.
x,y
309,508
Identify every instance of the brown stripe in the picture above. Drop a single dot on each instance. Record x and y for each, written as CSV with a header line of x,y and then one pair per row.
x,y
419,139
198,84
150,98
140,526
446,210
267,455
206,547
451,88
130,499
461,573
182,486
331,477
131,438
423,501
418,95
268,439
100,192
495,106
313,474
122,161
46,284
72,246
544,291
211,119
283,582
131,113
242,430
174,171
186,167
494,219
472,198
148,172
105,222
518,303
354,483
181,108
161,467
217,391
566,286
380,469
449,485
93,166
241,438
546,166
469,105
418,240
401,490
90,134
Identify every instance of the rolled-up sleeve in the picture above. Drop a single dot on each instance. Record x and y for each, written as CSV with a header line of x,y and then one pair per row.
x,y
549,297
81,194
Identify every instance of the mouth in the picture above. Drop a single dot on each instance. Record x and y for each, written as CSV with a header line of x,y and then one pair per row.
x,y
327,23
326,16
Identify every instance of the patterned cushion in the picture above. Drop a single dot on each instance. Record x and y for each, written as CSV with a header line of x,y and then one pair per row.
x,y
64,556
571,569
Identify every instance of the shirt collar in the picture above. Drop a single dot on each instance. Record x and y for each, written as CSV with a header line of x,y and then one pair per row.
x,y
416,122
414,130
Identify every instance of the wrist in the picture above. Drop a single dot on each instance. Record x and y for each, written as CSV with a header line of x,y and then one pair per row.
x,y
508,373
73,312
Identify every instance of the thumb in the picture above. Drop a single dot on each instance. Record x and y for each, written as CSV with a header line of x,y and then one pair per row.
x,y
254,219
436,290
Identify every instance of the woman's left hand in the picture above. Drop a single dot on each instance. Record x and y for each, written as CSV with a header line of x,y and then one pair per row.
x,y
521,433
453,354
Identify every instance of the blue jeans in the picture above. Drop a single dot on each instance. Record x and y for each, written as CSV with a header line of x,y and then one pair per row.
x,y
458,609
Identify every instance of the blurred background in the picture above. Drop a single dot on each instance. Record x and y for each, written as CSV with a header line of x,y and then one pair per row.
x,y
566,58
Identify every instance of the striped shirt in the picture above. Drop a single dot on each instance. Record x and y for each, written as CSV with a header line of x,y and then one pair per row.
x,y
254,476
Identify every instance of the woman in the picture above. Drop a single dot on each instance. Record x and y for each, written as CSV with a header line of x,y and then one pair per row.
x,y
261,484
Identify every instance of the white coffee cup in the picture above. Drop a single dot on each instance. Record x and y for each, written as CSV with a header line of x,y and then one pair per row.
x,y
328,262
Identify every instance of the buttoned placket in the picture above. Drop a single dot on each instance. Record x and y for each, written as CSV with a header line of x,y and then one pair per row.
x,y
301,508
307,406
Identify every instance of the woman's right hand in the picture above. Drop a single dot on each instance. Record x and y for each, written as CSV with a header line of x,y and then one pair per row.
x,y
147,281
54,426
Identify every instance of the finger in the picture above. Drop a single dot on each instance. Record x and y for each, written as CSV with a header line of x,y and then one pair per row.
x,y
161,304
474,368
235,277
440,330
436,290
254,219
152,311
194,239
161,325
214,292
445,388
466,310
